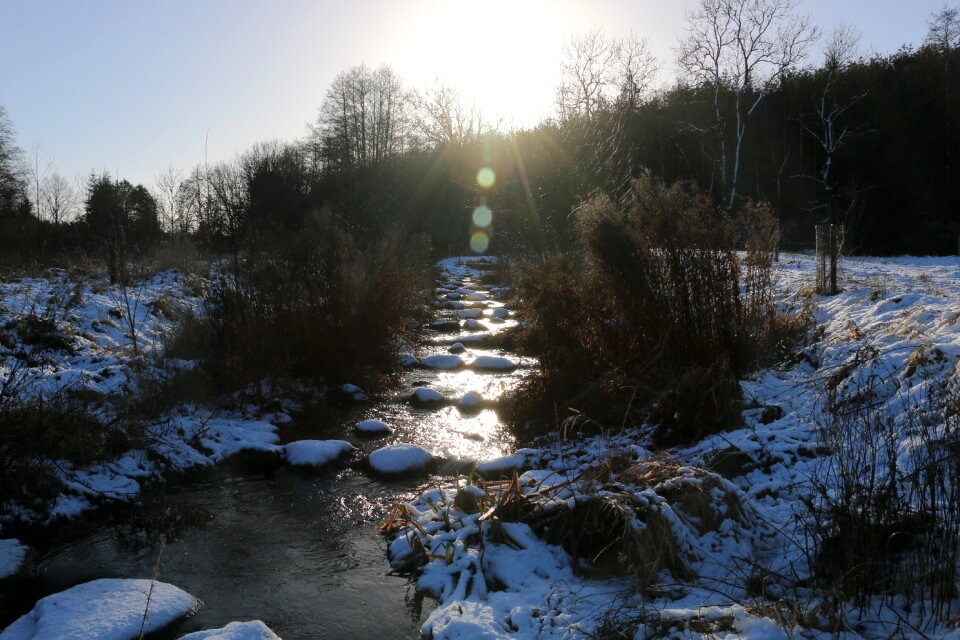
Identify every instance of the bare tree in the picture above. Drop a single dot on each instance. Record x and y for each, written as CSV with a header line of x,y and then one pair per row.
x,y
636,68
588,70
41,164
745,47
60,200
170,198
364,119
944,29
598,71
440,117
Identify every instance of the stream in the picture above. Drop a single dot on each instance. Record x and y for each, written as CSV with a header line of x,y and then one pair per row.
x,y
301,550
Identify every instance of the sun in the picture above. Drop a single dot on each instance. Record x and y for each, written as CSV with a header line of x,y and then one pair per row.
x,y
504,56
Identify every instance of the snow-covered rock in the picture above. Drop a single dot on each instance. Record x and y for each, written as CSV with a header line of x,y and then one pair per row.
x,y
13,553
498,363
253,630
106,609
316,453
423,395
373,427
471,399
474,325
502,464
442,362
354,392
400,458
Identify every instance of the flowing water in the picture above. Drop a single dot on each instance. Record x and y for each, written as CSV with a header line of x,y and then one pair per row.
x,y
298,550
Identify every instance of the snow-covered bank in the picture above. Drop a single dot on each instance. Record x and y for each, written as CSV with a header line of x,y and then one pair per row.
x,y
894,329
77,338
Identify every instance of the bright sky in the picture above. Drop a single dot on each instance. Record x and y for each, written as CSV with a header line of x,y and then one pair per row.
x,y
132,86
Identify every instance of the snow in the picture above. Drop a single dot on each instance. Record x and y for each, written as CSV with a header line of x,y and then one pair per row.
x,y
903,311
373,427
316,453
400,458
354,392
502,464
106,609
471,399
253,630
474,325
12,555
423,395
442,362
496,363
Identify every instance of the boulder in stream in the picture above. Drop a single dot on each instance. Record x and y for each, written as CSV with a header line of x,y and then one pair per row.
x,y
253,630
105,609
316,453
373,428
401,458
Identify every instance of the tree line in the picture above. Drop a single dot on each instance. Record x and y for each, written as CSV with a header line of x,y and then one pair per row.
x,y
869,142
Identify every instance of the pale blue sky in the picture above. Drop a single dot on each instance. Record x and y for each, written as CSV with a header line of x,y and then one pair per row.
x,y
133,86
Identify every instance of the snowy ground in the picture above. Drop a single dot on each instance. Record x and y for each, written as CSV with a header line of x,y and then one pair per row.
x,y
894,327
74,335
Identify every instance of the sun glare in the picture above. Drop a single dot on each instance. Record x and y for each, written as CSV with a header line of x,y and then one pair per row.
x,y
499,54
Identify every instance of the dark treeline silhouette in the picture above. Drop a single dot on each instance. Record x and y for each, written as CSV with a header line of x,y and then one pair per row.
x,y
870,143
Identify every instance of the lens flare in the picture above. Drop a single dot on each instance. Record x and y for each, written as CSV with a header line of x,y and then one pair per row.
x,y
479,242
482,216
486,177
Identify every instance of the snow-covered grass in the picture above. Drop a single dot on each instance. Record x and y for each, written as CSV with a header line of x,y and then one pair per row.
x,y
893,330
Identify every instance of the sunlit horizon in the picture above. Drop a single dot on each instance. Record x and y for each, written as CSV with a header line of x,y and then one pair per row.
x,y
132,88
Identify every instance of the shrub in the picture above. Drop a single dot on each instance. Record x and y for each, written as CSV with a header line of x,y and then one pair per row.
x,y
651,319
318,303
36,436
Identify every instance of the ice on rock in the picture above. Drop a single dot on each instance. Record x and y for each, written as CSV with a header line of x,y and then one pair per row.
x,y
497,363
373,427
442,362
316,453
253,630
105,609
400,458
